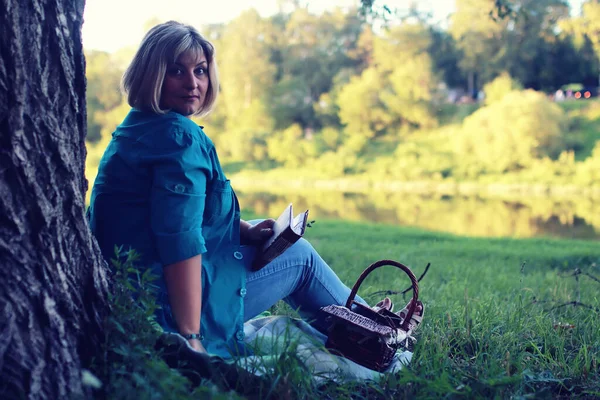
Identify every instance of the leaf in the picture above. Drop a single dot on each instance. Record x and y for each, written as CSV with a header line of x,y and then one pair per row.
x,y
89,379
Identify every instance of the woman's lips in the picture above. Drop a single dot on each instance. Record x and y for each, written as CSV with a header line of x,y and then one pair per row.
x,y
190,99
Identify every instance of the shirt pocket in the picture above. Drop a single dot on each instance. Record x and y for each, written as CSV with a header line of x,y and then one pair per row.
x,y
219,201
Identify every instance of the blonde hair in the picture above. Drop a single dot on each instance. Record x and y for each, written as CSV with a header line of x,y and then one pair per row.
x,y
143,80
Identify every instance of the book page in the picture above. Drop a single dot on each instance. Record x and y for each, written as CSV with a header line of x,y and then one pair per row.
x,y
298,223
280,225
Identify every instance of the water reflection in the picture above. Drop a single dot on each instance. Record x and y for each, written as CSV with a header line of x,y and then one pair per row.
x,y
471,216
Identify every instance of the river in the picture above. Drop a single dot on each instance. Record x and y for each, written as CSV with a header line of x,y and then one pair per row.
x,y
578,218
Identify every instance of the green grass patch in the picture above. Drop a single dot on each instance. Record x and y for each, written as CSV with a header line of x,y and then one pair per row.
x,y
574,105
490,323
496,323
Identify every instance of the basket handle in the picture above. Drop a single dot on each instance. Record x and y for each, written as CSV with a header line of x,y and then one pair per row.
x,y
413,280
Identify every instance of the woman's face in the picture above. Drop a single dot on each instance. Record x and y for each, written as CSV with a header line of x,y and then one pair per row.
x,y
185,85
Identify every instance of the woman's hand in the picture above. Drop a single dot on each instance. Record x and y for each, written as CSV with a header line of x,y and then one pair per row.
x,y
197,345
257,234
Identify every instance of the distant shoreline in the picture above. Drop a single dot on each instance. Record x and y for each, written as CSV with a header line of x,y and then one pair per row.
x,y
444,188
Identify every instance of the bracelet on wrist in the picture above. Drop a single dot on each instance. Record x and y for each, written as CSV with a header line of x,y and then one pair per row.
x,y
193,336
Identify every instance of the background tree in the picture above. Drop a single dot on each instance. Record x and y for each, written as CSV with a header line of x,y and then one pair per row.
x,y
247,76
478,37
446,58
529,37
582,34
103,94
313,50
361,109
54,286
591,26
395,92
402,58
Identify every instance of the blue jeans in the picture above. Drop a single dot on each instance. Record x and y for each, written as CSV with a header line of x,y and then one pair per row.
x,y
302,279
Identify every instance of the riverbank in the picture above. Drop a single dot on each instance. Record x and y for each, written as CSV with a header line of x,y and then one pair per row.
x,y
274,182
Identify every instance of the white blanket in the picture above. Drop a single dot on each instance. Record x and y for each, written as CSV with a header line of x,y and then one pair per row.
x,y
276,335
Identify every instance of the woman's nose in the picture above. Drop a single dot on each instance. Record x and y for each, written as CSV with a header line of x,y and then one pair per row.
x,y
190,81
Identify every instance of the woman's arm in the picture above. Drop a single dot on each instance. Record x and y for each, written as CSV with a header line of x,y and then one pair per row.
x,y
184,283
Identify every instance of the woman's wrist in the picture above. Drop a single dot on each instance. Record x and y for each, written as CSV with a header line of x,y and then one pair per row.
x,y
192,336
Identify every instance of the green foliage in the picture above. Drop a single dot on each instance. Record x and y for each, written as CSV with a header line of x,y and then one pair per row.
x,y
446,57
337,164
327,111
414,161
589,170
532,39
102,94
361,109
313,50
130,368
244,62
476,33
397,90
328,138
246,140
591,23
332,92
509,134
402,58
500,87
290,147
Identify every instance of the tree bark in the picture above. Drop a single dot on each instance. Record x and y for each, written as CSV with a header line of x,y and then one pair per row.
x,y
471,84
53,280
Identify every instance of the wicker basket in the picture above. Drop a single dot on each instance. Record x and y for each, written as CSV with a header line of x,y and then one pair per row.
x,y
365,336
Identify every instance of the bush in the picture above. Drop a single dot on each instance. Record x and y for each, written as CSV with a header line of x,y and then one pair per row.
x,y
291,147
500,87
336,164
510,134
588,172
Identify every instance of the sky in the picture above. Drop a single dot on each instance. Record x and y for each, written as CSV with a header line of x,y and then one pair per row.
x,y
112,24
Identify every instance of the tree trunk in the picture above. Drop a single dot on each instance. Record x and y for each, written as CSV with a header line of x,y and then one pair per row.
x,y
471,84
53,281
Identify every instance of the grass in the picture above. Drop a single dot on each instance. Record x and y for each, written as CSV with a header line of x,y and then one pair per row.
x,y
490,328
493,327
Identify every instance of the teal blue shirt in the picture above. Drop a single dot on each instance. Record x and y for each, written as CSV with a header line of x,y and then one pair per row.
x,y
161,190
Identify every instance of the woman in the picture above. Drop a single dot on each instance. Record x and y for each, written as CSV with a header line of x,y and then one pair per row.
x,y
161,190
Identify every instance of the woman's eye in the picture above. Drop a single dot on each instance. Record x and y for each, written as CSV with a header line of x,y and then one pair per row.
x,y
175,71
200,71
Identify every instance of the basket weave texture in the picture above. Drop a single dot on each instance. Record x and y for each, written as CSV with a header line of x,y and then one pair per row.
x,y
368,337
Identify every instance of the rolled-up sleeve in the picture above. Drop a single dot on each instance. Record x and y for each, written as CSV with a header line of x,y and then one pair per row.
x,y
177,199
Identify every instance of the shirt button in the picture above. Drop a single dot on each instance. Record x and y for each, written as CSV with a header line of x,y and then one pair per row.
x,y
240,335
238,255
242,292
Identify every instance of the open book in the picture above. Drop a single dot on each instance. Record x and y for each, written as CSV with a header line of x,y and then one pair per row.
x,y
286,231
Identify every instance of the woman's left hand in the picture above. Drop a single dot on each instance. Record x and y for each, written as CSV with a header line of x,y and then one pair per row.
x,y
257,234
